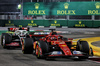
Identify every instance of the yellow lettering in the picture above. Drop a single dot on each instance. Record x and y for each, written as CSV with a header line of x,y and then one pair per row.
x,y
55,24
69,12
58,11
43,11
66,12
79,25
31,24
37,12
89,11
94,12
73,11
9,24
29,11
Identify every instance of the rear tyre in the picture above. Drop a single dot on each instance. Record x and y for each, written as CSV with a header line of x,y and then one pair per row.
x,y
83,46
27,46
54,33
5,39
41,49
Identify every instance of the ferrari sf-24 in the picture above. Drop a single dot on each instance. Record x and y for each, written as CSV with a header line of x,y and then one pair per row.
x,y
53,45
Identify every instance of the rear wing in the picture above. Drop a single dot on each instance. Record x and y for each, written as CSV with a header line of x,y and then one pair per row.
x,y
14,29
39,33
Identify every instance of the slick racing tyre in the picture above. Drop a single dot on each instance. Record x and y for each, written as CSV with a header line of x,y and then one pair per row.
x,y
41,49
27,46
5,39
83,46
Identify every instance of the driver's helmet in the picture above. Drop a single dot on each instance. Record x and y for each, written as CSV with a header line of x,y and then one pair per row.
x,y
20,28
54,33
53,38
21,32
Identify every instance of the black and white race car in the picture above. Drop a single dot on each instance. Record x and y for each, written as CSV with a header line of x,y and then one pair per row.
x,y
13,37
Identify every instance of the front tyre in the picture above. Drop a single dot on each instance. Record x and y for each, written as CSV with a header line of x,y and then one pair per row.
x,y
5,39
3,42
83,46
27,46
41,49
91,52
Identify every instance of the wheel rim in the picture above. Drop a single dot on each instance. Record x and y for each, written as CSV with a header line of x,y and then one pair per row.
x,y
23,46
3,41
91,51
38,51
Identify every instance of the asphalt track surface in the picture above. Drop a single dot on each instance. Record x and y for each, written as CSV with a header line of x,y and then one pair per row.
x,y
14,57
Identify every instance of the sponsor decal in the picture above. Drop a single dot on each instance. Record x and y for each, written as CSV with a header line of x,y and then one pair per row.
x,y
80,24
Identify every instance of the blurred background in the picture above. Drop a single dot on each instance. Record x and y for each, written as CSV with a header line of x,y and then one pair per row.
x,y
11,9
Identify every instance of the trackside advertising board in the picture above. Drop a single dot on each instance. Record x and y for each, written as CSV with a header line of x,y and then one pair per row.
x,y
61,8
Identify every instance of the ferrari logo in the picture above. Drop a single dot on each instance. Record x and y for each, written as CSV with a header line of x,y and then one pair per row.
x,y
66,5
36,5
97,5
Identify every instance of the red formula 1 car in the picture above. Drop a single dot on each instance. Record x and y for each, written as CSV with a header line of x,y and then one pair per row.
x,y
54,45
13,37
